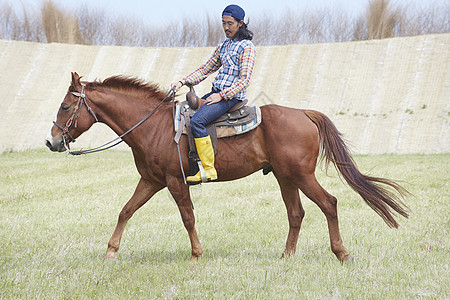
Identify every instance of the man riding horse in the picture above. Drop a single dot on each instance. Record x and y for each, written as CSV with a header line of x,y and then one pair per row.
x,y
234,58
300,135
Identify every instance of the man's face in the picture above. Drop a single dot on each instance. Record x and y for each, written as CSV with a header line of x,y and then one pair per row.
x,y
230,26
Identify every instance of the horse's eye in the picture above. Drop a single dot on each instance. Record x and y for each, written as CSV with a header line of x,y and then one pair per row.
x,y
65,107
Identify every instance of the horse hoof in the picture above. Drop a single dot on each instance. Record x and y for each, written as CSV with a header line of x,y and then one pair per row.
x,y
109,257
194,259
287,254
349,259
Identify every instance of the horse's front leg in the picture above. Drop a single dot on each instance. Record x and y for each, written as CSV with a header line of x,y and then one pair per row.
x,y
144,191
180,192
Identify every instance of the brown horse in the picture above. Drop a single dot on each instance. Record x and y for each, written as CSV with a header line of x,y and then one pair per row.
x,y
287,142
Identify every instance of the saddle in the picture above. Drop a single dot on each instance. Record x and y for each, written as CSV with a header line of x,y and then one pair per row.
x,y
240,119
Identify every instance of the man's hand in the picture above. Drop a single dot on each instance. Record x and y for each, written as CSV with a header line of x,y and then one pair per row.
x,y
213,98
176,85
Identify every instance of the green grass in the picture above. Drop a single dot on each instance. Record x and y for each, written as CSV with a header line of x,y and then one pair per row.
x,y
58,212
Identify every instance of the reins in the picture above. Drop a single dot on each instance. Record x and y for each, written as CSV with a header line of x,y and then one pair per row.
x,y
76,114
107,145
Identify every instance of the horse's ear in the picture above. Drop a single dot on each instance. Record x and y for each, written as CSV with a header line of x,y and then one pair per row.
x,y
75,79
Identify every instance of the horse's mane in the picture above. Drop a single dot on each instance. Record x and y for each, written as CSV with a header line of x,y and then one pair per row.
x,y
130,86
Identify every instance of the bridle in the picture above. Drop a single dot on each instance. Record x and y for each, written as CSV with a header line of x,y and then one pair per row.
x,y
73,120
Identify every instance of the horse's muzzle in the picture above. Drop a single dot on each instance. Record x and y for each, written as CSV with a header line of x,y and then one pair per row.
x,y
57,146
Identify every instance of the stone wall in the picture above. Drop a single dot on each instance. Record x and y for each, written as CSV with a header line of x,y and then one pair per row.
x,y
385,96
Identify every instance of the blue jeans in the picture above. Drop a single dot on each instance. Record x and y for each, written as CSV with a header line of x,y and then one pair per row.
x,y
208,114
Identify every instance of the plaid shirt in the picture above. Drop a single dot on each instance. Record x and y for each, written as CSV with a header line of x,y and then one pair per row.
x,y
237,59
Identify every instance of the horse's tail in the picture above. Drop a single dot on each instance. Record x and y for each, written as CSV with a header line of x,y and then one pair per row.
x,y
382,200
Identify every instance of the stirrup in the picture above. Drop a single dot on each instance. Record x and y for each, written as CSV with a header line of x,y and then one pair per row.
x,y
202,172
201,176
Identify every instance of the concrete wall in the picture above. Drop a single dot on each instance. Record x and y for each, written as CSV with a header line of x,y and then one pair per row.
x,y
385,96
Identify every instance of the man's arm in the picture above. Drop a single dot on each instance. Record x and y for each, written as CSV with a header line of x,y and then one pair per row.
x,y
212,65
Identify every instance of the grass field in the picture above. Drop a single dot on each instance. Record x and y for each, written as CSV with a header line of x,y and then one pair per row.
x,y
58,212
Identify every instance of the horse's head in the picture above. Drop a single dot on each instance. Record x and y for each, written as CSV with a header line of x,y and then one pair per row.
x,y
73,118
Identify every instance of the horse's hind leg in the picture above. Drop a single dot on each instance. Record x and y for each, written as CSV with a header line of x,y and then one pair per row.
x,y
328,204
295,214
144,191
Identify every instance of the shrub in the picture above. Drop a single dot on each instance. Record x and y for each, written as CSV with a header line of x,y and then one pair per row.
x,y
94,27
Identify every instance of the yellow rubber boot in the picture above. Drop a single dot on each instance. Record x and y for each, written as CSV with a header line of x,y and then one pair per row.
x,y
206,154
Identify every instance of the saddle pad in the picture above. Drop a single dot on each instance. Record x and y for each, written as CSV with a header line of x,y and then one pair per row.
x,y
223,130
